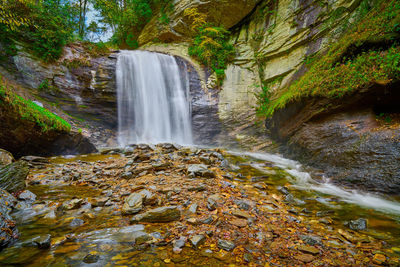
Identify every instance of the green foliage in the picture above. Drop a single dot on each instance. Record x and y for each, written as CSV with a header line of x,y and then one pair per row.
x,y
332,75
28,110
44,26
263,100
210,45
128,18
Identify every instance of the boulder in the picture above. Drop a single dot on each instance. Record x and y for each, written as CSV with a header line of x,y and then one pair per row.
x,y
200,170
12,176
5,157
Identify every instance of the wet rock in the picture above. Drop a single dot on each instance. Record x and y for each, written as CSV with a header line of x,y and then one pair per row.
x,y
226,245
197,188
27,196
379,259
76,223
133,204
358,225
306,258
197,240
261,185
5,157
193,221
193,208
239,222
211,203
50,215
127,234
241,214
200,170
12,176
308,249
43,242
243,204
72,204
283,190
311,240
91,258
162,214
179,243
127,175
8,230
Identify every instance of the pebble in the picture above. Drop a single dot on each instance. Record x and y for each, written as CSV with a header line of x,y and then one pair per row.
x,y
197,240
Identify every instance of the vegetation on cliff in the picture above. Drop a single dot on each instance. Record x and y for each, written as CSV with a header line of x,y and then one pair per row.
x,y
211,44
28,110
368,53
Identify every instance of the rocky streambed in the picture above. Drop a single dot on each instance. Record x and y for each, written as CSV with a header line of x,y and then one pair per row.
x,y
166,205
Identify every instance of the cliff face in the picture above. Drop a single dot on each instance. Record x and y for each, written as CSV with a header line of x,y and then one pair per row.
x,y
275,42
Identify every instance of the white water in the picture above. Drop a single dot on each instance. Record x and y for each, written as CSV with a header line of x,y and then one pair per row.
x,y
302,180
153,105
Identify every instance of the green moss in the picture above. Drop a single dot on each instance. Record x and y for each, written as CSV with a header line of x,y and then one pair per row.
x,y
333,75
28,110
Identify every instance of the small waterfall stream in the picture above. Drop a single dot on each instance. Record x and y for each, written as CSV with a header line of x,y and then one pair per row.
x,y
153,99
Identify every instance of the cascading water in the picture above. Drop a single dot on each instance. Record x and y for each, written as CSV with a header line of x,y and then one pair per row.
x,y
153,99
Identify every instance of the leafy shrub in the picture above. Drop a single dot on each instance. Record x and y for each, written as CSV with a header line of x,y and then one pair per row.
x,y
211,44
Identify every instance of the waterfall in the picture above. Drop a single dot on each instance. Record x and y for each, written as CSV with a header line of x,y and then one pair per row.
x,y
153,99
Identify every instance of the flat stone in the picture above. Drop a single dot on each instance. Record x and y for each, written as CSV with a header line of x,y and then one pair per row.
x,y
76,222
13,175
309,249
179,243
162,214
226,245
239,222
241,214
306,258
27,196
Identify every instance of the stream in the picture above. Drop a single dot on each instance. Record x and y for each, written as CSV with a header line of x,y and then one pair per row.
x,y
98,234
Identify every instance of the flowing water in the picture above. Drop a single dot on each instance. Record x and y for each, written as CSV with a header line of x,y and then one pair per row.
x,y
153,105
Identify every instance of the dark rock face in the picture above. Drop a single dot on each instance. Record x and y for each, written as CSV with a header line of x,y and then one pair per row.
x,y
205,121
12,176
346,140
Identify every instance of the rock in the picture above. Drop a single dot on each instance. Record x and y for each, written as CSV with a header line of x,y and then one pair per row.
x,y
76,223
50,215
43,242
243,204
239,222
358,225
193,221
193,208
197,240
133,204
72,204
226,245
261,185
311,240
91,258
5,157
179,243
211,204
200,170
197,188
379,259
283,190
308,249
241,214
12,176
306,258
27,196
8,229
162,214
